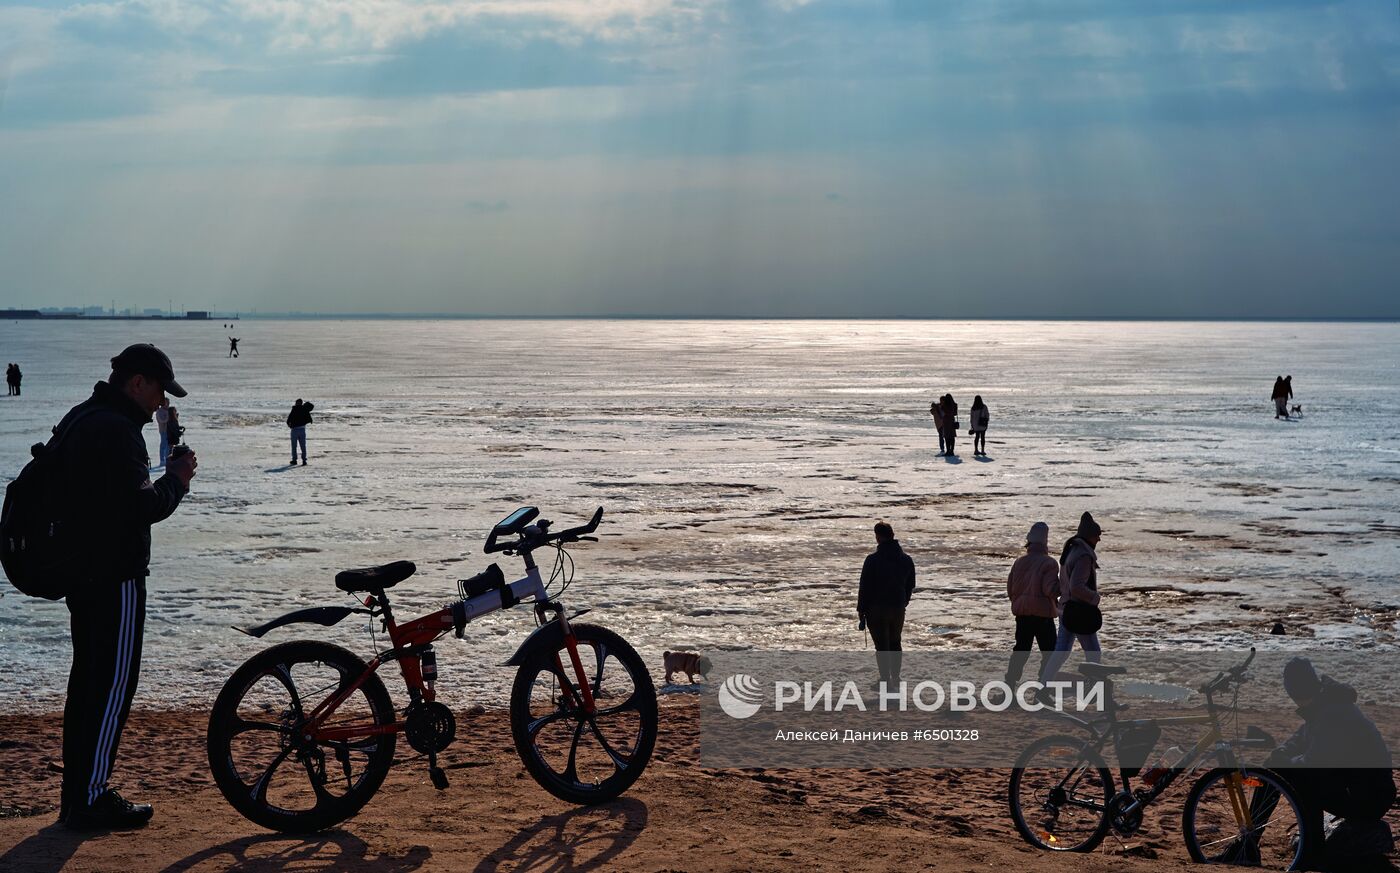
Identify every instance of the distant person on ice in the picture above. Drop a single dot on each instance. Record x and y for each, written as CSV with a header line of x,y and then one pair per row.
x,y
297,420
950,423
977,421
1282,391
936,411
162,419
12,377
233,347
886,584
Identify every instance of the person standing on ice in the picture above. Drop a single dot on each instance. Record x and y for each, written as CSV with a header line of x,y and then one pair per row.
x,y
1280,398
162,420
978,419
936,411
297,420
950,423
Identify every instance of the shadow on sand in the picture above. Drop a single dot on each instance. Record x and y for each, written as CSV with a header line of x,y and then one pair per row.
x,y
580,839
46,851
983,459
330,851
952,459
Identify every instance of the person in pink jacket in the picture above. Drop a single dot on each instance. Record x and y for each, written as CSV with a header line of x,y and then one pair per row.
x,y
1034,590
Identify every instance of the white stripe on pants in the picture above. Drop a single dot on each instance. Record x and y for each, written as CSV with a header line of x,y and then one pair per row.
x,y
116,698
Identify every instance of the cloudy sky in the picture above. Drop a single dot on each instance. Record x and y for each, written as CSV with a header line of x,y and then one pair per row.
x,y
886,158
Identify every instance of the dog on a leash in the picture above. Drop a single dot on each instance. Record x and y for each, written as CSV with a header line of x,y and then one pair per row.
x,y
689,663
1297,409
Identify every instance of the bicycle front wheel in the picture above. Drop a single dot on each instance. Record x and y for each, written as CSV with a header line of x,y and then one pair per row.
x,y
260,755
579,756
1059,795
1244,816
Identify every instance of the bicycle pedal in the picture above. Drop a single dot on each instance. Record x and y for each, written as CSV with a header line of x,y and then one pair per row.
x,y
438,776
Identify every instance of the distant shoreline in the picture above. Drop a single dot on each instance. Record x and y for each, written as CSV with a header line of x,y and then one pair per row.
x,y
36,315
449,316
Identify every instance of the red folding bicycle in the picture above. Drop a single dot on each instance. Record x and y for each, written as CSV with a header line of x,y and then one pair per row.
x,y
303,734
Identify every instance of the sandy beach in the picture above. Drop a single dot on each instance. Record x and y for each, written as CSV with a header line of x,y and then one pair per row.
x,y
678,817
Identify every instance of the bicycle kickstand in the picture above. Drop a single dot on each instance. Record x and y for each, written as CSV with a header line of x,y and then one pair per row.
x,y
436,773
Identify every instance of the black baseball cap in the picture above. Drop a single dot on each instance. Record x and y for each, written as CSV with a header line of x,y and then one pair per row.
x,y
145,359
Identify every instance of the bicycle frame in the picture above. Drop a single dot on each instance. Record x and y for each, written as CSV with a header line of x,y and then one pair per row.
x,y
411,639
1211,745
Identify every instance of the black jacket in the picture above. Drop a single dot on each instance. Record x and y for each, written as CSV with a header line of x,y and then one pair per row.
x,y
887,579
1335,733
107,493
300,416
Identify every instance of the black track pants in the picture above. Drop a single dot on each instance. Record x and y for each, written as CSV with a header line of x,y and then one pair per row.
x,y
108,624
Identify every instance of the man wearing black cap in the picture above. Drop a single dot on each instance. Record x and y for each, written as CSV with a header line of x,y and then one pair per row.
x,y
111,503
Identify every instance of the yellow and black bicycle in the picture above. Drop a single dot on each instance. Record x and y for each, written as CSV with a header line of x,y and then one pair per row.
x,y
1064,798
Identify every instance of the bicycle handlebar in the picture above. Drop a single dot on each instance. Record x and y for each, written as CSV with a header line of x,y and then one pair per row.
x,y
1234,675
537,534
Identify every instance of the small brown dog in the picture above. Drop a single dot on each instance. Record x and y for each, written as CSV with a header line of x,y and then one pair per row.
x,y
689,663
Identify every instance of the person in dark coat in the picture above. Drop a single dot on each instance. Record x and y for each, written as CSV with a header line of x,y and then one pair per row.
x,y
174,430
12,377
1338,762
297,420
886,584
1280,397
105,478
950,423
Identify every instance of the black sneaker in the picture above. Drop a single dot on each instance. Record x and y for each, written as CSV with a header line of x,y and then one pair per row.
x,y
110,812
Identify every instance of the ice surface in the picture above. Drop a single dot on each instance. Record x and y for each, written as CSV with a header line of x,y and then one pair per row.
x,y
741,465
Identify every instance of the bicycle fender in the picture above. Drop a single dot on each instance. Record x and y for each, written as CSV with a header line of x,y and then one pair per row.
x,y
325,616
550,635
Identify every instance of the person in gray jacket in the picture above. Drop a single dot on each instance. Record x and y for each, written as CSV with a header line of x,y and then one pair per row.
x,y
1079,580
978,420
1033,587
886,585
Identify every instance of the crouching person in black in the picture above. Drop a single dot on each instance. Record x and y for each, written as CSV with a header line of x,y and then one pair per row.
x,y
1339,763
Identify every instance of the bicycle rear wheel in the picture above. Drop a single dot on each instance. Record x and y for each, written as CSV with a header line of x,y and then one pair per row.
x,y
1059,795
577,756
1274,837
259,754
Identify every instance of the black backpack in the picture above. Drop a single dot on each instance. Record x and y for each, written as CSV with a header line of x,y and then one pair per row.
x,y
35,543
